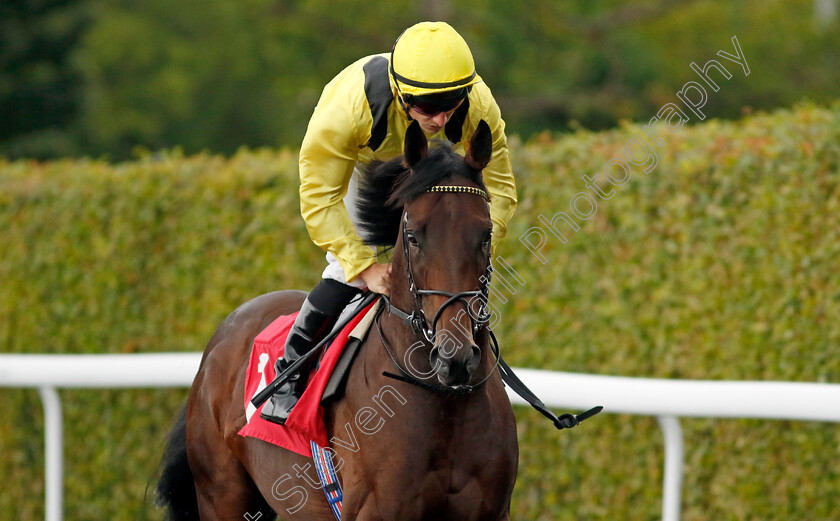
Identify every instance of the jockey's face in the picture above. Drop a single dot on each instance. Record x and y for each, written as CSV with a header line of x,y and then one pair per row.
x,y
431,123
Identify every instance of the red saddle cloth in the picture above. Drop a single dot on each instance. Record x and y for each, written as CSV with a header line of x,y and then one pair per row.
x,y
306,421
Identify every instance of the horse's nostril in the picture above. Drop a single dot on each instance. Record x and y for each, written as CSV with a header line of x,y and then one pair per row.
x,y
474,359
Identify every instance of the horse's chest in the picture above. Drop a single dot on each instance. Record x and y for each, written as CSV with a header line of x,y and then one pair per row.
x,y
421,480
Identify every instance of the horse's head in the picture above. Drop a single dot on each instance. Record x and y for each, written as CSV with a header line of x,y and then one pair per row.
x,y
442,260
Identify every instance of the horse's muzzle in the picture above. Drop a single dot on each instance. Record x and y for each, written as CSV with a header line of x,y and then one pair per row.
x,y
455,367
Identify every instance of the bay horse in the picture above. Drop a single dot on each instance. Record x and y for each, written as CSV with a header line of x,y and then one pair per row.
x,y
445,449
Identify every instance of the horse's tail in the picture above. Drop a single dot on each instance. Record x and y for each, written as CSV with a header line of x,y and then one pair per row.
x,y
176,488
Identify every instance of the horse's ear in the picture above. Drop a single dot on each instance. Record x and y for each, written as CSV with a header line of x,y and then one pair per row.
x,y
416,145
481,147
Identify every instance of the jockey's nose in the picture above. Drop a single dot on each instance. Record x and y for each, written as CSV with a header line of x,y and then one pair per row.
x,y
441,118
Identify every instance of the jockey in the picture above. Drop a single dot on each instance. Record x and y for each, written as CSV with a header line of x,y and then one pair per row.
x,y
362,115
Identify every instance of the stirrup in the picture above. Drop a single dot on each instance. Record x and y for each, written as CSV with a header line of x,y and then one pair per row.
x,y
281,403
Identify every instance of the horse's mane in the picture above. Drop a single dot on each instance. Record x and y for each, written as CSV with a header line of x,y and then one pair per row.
x,y
384,188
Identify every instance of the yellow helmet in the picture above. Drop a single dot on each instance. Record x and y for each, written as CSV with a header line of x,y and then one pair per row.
x,y
431,58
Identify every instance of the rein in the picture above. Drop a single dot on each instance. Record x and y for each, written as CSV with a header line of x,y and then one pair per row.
x,y
564,421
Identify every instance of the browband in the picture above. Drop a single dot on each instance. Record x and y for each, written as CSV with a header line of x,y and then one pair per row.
x,y
461,190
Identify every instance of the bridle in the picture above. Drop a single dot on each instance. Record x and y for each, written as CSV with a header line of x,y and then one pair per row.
x,y
417,320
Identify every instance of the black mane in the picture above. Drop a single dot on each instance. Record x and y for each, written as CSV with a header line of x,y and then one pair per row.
x,y
385,187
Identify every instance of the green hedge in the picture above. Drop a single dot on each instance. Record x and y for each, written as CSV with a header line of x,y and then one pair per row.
x,y
721,264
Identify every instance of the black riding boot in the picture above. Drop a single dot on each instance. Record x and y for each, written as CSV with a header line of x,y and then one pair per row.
x,y
317,316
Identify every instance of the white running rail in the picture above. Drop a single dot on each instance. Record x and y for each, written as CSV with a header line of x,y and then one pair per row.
x,y
667,400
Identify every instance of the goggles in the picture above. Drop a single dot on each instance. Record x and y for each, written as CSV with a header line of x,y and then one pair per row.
x,y
433,104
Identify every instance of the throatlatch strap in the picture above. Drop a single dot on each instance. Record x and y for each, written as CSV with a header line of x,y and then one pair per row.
x,y
329,479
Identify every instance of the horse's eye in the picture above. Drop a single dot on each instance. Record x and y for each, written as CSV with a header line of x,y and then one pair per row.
x,y
488,237
412,240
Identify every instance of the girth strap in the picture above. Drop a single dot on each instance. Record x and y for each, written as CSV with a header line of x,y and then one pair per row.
x,y
328,477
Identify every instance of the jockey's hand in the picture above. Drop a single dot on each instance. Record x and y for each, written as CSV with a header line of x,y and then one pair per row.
x,y
378,278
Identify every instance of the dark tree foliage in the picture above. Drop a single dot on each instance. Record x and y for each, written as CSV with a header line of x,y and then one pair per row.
x,y
40,89
222,74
